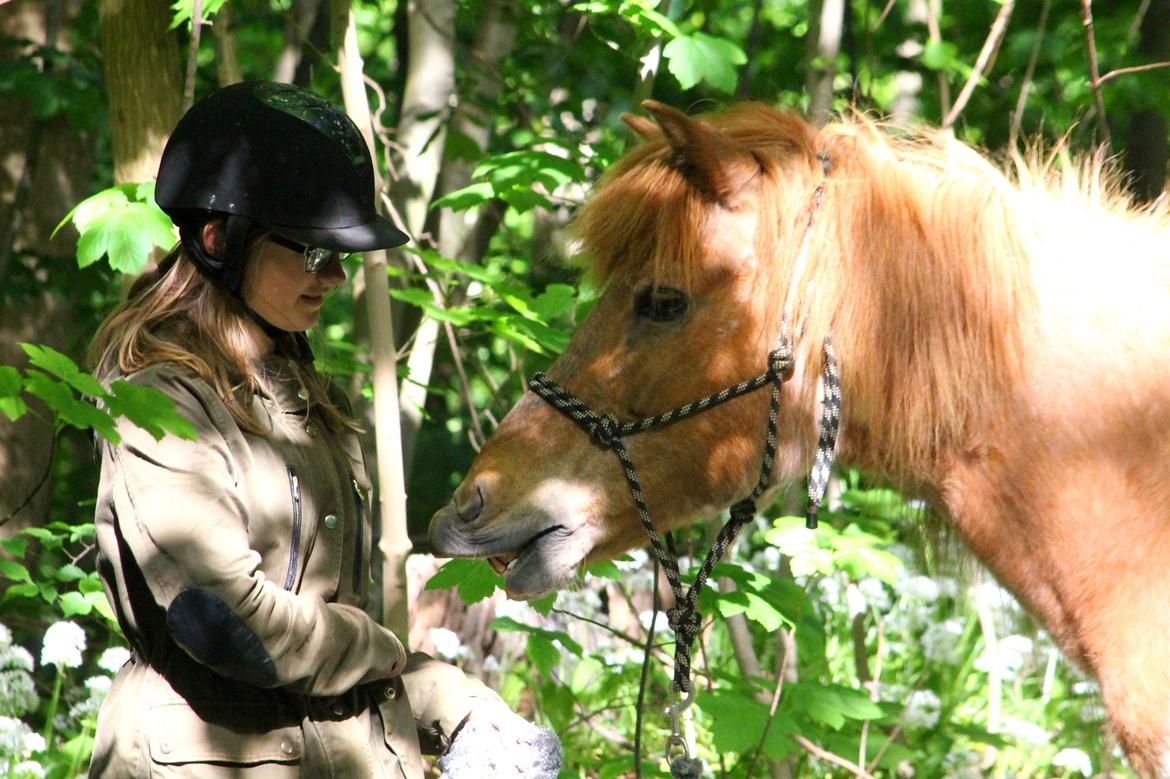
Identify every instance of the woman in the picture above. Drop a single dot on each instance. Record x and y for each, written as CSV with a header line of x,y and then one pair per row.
x,y
238,563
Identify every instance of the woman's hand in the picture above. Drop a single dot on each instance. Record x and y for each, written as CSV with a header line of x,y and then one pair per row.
x,y
493,742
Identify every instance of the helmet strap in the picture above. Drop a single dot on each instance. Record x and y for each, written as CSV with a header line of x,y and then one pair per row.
x,y
227,272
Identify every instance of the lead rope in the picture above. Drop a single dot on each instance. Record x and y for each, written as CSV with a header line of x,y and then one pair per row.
x,y
685,619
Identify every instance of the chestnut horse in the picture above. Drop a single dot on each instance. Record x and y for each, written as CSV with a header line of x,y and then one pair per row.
x,y
1001,345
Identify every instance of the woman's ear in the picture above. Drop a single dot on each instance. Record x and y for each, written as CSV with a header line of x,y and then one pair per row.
x,y
214,237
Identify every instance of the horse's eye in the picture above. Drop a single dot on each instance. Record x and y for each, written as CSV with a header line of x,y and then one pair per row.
x,y
660,304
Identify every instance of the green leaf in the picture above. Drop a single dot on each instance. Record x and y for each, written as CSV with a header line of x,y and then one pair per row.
x,y
10,569
605,569
509,625
15,546
832,704
475,579
69,573
939,55
80,414
150,409
184,11
544,605
702,57
24,590
10,381
467,197
74,604
49,359
14,408
542,653
123,223
557,300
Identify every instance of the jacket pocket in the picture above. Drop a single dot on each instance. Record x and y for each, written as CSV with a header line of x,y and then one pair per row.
x,y
179,736
294,547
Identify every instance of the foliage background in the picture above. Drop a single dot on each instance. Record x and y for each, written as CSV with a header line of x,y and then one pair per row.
x,y
852,651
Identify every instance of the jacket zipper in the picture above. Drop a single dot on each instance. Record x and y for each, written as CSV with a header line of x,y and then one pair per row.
x,y
294,488
361,537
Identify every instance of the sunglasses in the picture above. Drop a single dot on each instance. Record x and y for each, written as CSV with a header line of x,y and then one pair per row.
x,y
316,258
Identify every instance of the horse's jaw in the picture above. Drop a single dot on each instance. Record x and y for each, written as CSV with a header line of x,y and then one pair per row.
x,y
541,544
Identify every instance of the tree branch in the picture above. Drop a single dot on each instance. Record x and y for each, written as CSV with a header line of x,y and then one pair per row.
x,y
1026,87
983,61
1094,75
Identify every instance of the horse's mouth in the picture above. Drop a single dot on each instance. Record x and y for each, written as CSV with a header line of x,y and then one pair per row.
x,y
504,563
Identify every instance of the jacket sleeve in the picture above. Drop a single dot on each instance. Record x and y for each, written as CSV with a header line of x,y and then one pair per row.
x,y
180,512
441,695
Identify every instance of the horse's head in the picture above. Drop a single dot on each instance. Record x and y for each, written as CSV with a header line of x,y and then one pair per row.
x,y
694,236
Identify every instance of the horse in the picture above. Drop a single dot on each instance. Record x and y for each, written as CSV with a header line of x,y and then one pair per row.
x,y
997,332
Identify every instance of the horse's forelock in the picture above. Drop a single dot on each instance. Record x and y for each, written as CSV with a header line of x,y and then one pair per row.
x,y
645,213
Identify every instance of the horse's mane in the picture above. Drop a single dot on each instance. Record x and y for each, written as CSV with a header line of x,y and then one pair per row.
x,y
919,262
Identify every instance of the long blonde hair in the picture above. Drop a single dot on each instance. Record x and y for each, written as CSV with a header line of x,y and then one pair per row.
x,y
173,313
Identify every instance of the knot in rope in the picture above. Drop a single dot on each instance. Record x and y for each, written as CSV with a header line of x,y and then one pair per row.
x,y
605,430
744,511
780,362
684,621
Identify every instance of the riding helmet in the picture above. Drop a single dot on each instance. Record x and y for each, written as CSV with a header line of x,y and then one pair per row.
x,y
271,155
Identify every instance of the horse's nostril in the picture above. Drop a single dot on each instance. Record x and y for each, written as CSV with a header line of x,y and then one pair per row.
x,y
470,511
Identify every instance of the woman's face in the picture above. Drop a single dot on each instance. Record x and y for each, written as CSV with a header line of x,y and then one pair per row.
x,y
280,290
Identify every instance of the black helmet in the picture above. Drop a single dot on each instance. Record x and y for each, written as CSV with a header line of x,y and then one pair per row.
x,y
275,155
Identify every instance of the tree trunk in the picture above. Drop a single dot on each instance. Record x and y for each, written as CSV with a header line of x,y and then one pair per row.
x,y
1146,150
422,134
143,82
471,119
45,168
296,32
227,60
394,543
824,44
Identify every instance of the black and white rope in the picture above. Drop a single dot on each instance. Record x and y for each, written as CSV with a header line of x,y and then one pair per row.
x,y
606,430
822,469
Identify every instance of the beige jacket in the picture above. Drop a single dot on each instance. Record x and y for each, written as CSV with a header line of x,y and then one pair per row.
x,y
239,567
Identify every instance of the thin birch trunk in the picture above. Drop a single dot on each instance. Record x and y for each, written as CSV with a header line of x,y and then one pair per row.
x,y
824,38
422,134
395,540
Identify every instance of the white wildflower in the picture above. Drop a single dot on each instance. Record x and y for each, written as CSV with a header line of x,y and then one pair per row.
x,y
16,738
1092,712
1012,653
5,635
513,609
18,692
491,664
661,624
113,659
1086,687
34,742
1025,732
767,559
638,558
922,710
922,588
447,644
940,642
829,589
29,769
1074,760
962,764
63,645
16,657
876,593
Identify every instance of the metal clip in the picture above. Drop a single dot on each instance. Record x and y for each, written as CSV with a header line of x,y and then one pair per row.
x,y
675,711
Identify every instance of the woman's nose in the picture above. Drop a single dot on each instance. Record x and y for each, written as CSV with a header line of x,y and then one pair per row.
x,y
333,273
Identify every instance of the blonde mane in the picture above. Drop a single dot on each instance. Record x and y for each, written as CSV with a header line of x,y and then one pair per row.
x,y
919,261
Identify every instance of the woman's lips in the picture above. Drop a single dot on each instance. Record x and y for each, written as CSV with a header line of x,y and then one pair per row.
x,y
313,300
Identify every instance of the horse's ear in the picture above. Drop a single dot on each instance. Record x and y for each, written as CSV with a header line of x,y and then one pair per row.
x,y
642,126
707,157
